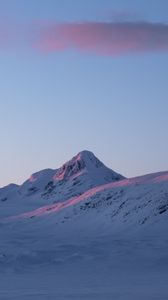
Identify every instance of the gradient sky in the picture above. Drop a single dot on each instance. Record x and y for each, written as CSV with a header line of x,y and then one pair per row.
x,y
65,88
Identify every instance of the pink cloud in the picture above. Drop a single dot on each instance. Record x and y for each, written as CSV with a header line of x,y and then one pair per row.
x,y
111,38
102,38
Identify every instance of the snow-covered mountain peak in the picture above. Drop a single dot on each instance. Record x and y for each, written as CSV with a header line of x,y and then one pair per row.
x,y
84,161
74,177
89,158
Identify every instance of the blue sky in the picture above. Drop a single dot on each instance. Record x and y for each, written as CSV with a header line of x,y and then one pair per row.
x,y
56,104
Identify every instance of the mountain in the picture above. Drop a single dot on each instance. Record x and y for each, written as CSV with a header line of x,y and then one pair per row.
x,y
83,231
85,184
82,172
76,176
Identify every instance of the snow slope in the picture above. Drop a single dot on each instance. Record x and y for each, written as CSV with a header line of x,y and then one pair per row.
x,y
106,238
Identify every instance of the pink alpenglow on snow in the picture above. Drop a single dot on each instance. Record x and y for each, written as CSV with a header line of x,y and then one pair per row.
x,y
56,207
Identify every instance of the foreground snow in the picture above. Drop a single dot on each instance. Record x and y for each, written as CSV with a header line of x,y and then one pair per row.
x,y
104,268
108,240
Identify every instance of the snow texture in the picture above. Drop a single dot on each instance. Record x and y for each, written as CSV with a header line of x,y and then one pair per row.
x,y
84,232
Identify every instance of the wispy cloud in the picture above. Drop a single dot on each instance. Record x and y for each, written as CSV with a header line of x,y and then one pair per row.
x,y
102,38
112,38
